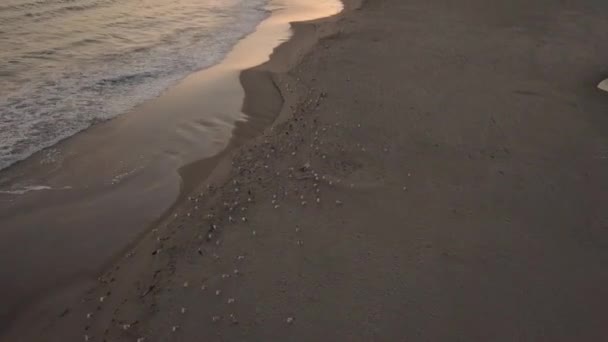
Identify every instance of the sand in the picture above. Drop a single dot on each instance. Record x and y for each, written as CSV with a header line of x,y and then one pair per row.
x,y
105,187
437,173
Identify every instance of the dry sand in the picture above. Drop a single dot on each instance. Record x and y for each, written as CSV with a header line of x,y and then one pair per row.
x,y
438,173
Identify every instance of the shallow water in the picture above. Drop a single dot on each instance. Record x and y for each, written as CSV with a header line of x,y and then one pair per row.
x,y
67,64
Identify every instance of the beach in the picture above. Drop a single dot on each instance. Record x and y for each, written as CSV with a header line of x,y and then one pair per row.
x,y
427,171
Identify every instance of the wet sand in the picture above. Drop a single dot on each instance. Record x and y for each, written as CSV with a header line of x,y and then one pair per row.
x,y
437,173
107,186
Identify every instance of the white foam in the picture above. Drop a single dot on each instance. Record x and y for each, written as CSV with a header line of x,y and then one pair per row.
x,y
29,188
68,82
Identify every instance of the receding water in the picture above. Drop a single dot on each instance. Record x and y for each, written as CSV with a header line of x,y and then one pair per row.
x,y
67,64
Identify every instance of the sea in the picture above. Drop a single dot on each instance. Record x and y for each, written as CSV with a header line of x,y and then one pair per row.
x,y
66,65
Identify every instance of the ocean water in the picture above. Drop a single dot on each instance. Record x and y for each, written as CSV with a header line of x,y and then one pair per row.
x,y
68,64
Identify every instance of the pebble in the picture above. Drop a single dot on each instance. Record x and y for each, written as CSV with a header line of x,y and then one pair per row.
x,y
183,310
289,320
230,300
174,328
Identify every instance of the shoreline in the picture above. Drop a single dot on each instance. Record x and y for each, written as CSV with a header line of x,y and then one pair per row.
x,y
398,196
262,115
